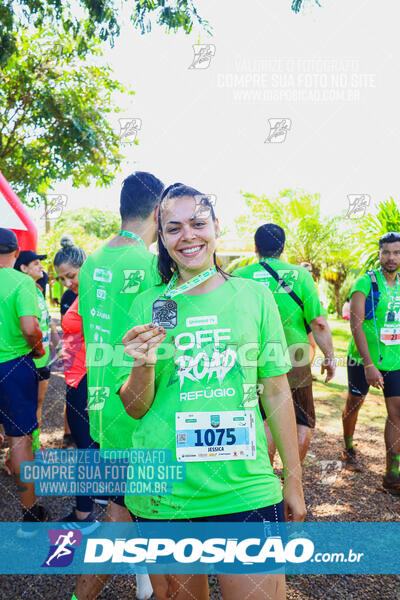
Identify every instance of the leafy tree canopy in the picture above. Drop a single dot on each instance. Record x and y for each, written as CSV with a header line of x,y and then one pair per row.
x,y
85,19
101,223
309,237
89,228
53,115
326,243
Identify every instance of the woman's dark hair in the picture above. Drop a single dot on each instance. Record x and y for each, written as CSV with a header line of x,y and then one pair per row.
x,y
69,253
166,265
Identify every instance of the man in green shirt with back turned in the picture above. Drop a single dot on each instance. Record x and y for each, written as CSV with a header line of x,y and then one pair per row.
x,y
298,303
109,281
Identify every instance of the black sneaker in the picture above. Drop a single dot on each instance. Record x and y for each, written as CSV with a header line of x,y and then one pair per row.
x,y
30,519
391,484
86,525
68,442
350,460
103,500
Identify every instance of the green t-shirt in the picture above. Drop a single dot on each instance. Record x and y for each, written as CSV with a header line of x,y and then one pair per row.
x,y
390,351
301,282
44,324
224,342
109,281
18,298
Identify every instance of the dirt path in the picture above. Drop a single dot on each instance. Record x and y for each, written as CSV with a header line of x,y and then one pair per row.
x,y
331,495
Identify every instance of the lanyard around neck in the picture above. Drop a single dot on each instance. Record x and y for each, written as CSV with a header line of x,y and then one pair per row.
x,y
132,236
188,285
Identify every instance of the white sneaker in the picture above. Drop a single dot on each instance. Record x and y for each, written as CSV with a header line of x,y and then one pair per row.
x,y
144,588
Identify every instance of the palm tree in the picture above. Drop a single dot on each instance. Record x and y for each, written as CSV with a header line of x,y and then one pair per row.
x,y
309,237
323,242
373,227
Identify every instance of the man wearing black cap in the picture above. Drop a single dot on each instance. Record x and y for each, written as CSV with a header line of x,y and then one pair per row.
x,y
20,342
28,262
297,298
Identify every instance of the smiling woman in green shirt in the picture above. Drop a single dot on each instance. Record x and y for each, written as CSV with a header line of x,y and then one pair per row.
x,y
200,342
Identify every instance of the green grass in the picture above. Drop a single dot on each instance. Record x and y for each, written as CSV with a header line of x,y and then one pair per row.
x,y
341,335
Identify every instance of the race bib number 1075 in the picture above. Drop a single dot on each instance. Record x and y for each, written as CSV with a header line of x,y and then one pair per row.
x,y
226,435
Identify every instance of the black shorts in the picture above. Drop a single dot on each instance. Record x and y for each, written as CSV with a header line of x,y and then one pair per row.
x,y
18,396
120,500
358,385
270,514
44,373
272,518
300,382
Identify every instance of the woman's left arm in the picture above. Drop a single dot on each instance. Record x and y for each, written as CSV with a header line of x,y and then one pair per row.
x,y
278,405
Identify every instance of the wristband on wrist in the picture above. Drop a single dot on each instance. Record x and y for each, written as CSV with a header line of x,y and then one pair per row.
x,y
369,365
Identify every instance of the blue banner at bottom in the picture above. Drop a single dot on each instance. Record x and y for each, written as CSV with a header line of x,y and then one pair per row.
x,y
201,547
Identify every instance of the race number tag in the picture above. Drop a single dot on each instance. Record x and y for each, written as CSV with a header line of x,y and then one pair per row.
x,y
390,336
226,435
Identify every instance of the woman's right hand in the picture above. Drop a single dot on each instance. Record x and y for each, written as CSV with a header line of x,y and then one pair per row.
x,y
373,376
141,343
293,499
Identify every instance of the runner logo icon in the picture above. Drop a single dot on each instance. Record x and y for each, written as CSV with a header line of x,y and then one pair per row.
x,y
97,397
278,129
251,392
203,53
133,279
63,543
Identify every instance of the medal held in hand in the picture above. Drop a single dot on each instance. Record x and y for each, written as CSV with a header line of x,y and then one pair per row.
x,y
390,316
165,313
165,310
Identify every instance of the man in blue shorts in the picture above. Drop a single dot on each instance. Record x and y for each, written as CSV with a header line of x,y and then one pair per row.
x,y
28,262
20,343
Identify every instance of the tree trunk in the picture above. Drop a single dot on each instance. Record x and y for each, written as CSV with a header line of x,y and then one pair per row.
x,y
336,287
46,215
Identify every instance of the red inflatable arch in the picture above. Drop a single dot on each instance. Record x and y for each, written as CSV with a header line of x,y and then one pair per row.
x,y
13,215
